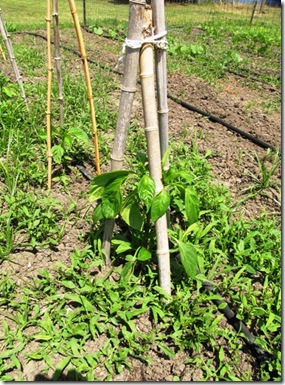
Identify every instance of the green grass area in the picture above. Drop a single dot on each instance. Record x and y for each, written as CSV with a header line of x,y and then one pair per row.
x,y
58,317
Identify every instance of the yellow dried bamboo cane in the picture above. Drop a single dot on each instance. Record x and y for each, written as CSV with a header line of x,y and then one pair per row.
x,y
87,78
2,53
48,111
57,59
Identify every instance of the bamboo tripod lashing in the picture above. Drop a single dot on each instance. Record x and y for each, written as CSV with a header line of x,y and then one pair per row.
x,y
88,83
151,127
9,47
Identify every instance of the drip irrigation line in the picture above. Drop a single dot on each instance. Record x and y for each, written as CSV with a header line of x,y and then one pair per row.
x,y
189,107
269,86
215,119
260,355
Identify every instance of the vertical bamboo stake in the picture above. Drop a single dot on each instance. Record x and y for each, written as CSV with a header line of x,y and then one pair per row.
x,y
48,112
57,59
253,12
88,83
161,75
9,47
154,157
84,13
128,89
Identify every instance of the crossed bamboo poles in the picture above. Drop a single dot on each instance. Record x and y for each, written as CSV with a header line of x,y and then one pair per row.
x,y
155,118
59,80
140,29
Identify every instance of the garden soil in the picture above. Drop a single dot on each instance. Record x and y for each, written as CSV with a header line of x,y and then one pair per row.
x,y
233,160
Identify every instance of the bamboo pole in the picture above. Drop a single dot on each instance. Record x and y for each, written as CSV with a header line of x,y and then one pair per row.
x,y
84,14
154,155
57,59
88,83
128,89
161,75
9,47
253,12
2,53
48,111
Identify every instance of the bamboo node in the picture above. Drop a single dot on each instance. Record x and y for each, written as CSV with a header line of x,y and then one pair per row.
x,y
151,128
128,89
116,159
163,111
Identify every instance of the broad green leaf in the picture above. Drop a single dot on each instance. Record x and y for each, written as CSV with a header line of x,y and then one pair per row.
x,y
143,254
132,216
68,284
122,245
191,206
97,214
189,259
111,205
160,205
57,153
146,190
96,192
79,134
108,177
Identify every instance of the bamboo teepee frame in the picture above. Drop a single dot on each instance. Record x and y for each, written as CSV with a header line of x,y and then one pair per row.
x,y
88,83
9,47
57,59
49,85
140,19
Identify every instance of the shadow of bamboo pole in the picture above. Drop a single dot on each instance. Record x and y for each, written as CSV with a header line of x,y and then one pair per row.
x,y
88,83
9,47
48,111
153,147
128,89
57,59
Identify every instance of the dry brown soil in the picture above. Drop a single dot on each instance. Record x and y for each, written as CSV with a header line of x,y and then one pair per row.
x,y
233,162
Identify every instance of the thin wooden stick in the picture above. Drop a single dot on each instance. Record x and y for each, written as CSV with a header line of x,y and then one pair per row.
x,y
88,83
9,47
128,89
161,75
57,60
48,112
154,156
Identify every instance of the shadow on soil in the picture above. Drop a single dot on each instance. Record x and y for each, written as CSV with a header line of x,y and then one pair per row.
x,y
72,375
